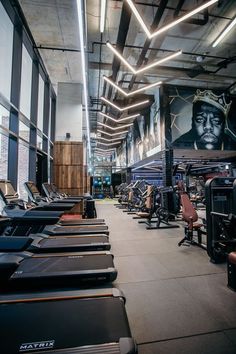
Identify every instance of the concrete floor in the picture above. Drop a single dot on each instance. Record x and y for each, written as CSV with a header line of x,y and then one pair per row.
x,y
177,301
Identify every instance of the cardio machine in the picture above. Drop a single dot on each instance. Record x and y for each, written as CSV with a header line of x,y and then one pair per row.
x,y
66,322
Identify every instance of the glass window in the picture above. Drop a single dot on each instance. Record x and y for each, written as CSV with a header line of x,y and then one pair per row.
x,y
4,117
6,44
26,80
24,131
23,169
39,142
49,118
40,103
3,156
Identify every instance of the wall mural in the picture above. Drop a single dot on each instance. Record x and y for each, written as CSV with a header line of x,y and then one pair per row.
x,y
202,119
143,137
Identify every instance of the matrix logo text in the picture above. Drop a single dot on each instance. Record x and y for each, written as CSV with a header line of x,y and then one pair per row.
x,y
26,347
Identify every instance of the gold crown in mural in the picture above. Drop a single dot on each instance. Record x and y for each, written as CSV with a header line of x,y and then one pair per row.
x,y
217,101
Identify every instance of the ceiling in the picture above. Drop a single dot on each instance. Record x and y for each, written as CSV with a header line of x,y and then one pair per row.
x,y
54,26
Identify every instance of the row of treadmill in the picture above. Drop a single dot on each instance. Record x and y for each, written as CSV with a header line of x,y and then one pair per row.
x,y
215,232
56,274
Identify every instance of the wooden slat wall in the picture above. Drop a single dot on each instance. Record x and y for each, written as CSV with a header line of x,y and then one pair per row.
x,y
70,175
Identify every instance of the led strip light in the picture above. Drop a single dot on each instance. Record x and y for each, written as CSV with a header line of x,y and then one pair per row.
x,y
170,25
123,108
116,128
83,66
120,119
108,140
225,31
112,134
132,92
145,68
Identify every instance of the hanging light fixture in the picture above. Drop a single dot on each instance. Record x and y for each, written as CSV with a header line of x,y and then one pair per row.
x,y
120,119
116,128
102,15
146,67
121,109
112,134
144,88
108,140
170,25
227,29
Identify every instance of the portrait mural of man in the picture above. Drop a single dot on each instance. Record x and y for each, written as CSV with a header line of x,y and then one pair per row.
x,y
209,126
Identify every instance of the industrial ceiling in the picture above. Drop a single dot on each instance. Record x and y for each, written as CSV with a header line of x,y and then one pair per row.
x,y
54,26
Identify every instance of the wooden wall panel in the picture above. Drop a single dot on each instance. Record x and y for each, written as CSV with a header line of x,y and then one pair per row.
x,y
68,167
77,154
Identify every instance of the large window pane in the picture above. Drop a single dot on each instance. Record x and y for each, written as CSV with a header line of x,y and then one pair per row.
x,y
6,44
4,117
3,156
23,169
39,142
24,131
26,80
40,103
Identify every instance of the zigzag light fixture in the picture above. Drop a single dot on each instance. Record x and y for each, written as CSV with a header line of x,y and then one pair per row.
x,y
120,119
112,134
126,107
110,144
224,32
158,83
170,25
145,68
116,128
105,150
108,140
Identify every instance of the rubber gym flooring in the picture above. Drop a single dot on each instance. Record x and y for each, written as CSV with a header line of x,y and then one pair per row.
x,y
177,301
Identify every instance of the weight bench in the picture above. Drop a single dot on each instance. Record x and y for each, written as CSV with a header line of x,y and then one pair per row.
x,y
190,216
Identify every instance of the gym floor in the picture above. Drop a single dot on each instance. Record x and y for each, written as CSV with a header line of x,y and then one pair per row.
x,y
177,301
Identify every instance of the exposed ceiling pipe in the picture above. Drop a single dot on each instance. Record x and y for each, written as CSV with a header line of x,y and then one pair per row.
x,y
147,43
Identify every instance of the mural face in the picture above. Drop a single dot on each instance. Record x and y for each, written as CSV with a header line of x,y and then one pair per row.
x,y
201,120
143,136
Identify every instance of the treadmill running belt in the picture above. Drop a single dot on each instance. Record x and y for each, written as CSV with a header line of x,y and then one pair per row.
x,y
63,264
65,241
75,228
66,323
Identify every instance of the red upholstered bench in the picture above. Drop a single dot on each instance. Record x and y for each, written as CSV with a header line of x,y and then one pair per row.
x,y
231,264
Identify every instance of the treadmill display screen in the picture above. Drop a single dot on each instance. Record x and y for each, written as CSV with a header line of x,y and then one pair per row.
x,y
7,188
32,188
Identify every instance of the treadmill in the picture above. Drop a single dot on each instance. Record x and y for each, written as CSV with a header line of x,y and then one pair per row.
x,y
7,191
25,270
69,219
66,322
14,211
55,190
39,243
11,198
